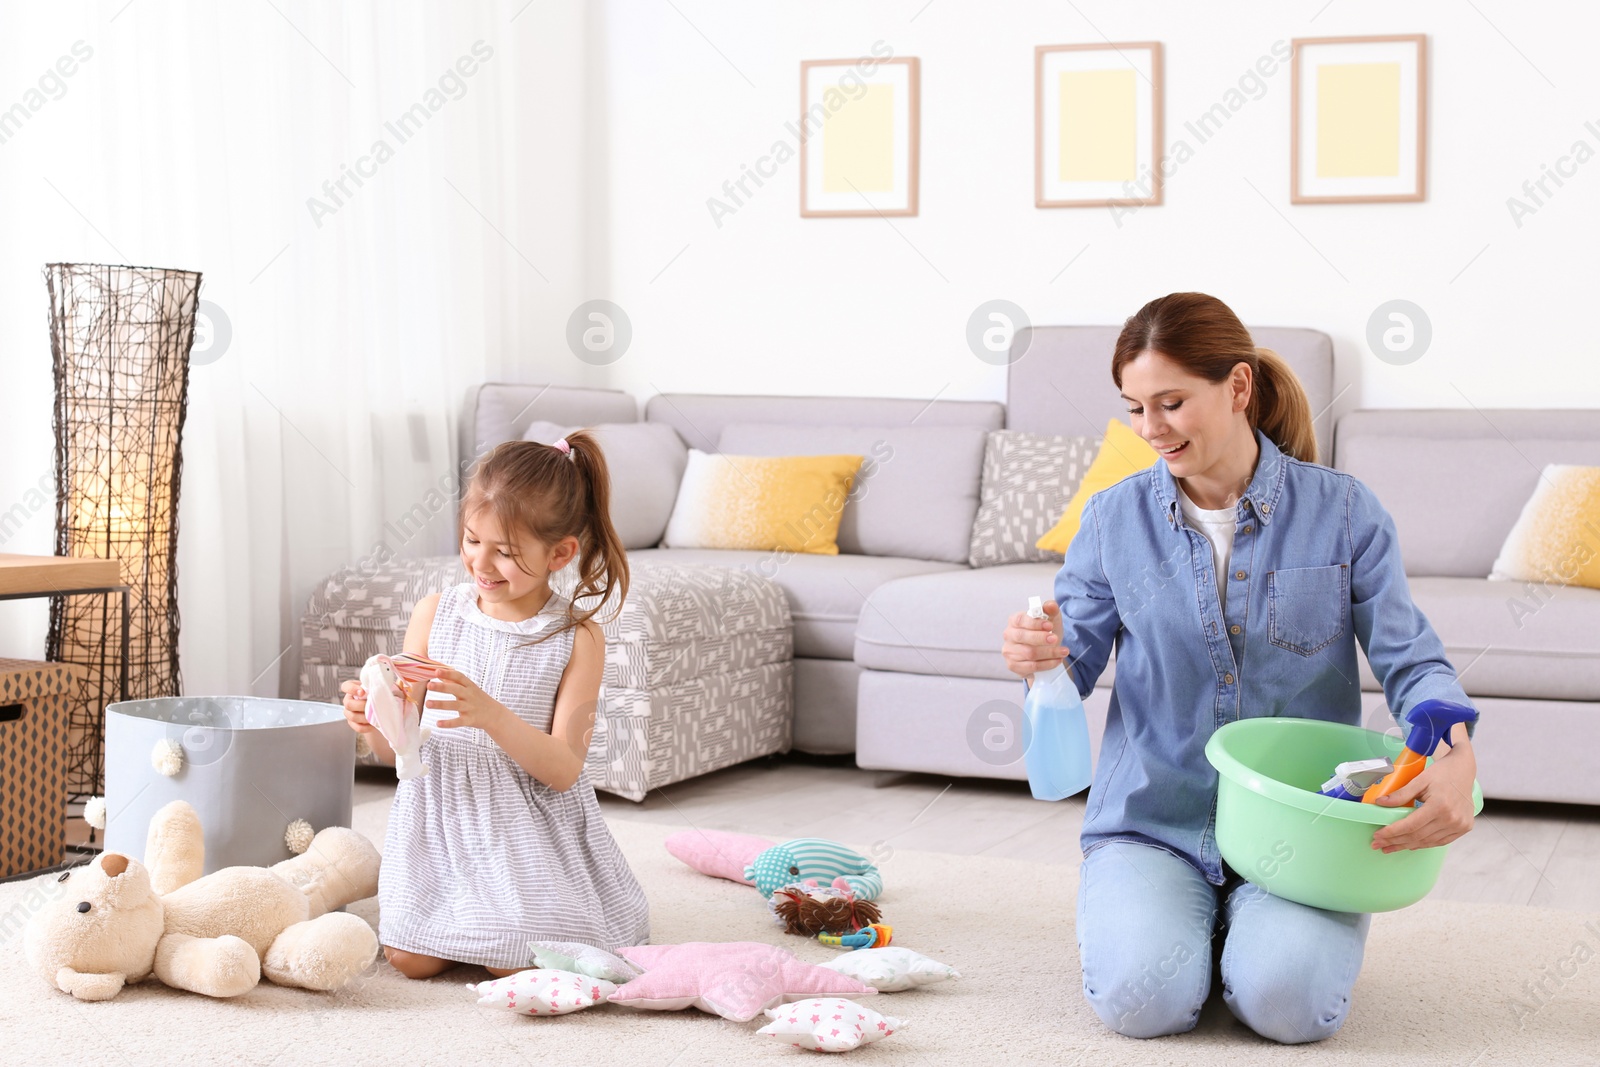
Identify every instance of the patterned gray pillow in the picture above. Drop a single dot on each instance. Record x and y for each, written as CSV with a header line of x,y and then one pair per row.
x,y
1028,478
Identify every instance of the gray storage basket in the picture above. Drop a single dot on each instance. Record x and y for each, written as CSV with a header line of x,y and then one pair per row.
x,y
251,766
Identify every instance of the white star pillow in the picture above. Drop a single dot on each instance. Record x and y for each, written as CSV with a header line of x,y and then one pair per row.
x,y
890,970
828,1024
543,992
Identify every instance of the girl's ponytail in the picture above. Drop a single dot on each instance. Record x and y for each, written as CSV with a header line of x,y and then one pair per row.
x,y
602,561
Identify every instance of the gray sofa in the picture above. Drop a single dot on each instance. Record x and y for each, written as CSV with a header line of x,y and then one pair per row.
x,y
895,640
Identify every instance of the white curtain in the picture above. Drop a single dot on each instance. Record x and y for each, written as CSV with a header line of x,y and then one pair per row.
x,y
386,201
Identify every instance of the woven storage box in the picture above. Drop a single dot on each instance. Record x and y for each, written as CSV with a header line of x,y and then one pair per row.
x,y
699,662
33,762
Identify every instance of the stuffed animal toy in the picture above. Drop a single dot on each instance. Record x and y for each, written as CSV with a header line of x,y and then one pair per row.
x,y
119,921
814,860
396,688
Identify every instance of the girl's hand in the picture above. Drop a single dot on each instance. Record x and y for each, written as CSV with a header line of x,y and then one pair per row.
x,y
473,707
355,706
1445,789
1032,645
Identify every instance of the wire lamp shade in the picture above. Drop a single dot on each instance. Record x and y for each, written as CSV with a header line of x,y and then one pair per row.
x,y
120,339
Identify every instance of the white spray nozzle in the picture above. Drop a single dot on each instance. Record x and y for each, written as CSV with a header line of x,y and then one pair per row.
x,y
1035,608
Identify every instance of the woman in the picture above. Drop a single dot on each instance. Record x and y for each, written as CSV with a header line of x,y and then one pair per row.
x,y
1235,577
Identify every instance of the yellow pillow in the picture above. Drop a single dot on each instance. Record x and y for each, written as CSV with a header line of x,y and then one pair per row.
x,y
1122,453
1557,537
761,503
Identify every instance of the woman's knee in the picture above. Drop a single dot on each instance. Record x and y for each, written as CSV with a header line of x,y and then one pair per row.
x,y
415,964
1151,997
1289,1014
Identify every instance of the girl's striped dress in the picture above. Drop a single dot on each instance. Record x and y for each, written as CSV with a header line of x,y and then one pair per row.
x,y
481,858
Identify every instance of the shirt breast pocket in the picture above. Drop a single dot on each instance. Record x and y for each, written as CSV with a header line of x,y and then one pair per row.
x,y
1307,607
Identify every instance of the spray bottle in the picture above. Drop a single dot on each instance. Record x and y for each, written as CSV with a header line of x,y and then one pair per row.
x,y
1057,755
1431,722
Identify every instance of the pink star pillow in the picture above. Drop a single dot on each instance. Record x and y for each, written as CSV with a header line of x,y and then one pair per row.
x,y
735,979
829,1025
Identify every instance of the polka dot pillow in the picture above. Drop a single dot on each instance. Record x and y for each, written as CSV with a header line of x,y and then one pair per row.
x,y
543,992
828,1024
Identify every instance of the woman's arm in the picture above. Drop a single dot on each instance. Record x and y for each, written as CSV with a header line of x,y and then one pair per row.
x,y
1409,661
1089,616
555,758
1406,655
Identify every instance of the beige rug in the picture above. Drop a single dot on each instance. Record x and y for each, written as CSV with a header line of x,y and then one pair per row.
x,y
1442,985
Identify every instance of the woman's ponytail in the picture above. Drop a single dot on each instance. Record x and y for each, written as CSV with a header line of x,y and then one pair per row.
x,y
1280,408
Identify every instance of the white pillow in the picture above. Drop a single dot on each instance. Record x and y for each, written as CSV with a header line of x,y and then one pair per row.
x,y
828,1024
541,992
890,970
646,461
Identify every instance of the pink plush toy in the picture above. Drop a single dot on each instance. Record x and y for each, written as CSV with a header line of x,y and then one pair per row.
x,y
396,687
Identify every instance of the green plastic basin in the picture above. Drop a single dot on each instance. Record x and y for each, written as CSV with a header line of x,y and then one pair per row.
x,y
1276,831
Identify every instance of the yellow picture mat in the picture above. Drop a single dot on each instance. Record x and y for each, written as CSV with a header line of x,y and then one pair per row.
x,y
1097,125
1358,120
858,143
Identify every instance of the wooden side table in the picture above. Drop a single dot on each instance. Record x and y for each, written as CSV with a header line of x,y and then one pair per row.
x,y
22,577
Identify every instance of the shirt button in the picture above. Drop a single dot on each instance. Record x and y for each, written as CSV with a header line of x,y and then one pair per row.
x,y
1247,529
1228,678
1239,575
1233,629
1266,509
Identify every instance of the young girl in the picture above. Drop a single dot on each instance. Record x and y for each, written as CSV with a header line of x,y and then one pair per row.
x,y
1271,569
502,842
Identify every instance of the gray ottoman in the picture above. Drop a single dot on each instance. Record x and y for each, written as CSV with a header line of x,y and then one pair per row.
x,y
699,662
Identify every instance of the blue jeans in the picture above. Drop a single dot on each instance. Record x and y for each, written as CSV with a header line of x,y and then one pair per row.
x,y
1145,925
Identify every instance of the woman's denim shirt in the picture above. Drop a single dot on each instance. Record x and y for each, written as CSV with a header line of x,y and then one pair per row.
x,y
1315,567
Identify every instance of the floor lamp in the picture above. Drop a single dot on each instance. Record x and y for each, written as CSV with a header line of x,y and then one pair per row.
x,y
120,339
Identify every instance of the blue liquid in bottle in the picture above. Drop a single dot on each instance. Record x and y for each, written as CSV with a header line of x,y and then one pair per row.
x,y
1057,755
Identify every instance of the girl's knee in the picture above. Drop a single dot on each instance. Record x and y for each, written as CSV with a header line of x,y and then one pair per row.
x,y
415,964
1152,998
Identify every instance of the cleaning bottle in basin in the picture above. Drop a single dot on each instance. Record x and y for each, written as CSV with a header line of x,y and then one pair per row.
x,y
1057,755
1431,722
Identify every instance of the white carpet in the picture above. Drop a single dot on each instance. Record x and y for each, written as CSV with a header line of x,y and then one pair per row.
x,y
1441,986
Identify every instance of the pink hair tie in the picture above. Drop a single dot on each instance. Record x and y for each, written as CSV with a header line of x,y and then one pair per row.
x,y
563,446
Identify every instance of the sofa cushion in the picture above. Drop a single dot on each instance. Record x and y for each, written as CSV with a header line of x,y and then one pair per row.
x,y
950,623
646,461
761,503
915,496
1513,639
1028,478
826,593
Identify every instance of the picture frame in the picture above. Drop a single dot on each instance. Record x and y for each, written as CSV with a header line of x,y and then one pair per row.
x,y
1358,119
1097,124
860,125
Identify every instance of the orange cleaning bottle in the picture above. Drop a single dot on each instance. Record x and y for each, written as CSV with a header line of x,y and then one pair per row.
x,y
1431,722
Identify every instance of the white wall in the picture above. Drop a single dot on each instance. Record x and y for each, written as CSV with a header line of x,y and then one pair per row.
x,y
771,303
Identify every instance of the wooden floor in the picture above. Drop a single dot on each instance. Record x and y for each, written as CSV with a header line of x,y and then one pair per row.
x,y
1546,855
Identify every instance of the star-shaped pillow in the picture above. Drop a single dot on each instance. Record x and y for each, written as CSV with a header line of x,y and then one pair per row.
x,y
828,1025
734,979
541,992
